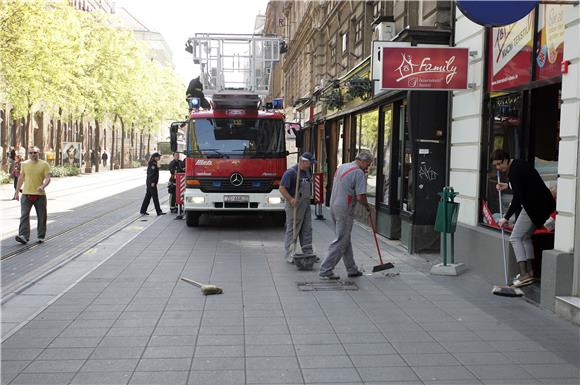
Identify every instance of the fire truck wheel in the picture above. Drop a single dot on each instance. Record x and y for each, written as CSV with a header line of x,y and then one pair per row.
x,y
192,219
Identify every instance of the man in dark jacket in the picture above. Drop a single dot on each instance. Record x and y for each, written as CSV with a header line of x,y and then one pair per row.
x,y
195,90
533,200
175,166
152,180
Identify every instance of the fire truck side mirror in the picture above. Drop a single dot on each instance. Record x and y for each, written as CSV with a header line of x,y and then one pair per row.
x,y
173,136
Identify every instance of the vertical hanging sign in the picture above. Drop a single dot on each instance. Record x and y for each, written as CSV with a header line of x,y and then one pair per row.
x,y
510,54
550,41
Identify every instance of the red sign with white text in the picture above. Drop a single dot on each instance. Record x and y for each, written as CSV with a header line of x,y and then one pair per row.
x,y
422,68
510,56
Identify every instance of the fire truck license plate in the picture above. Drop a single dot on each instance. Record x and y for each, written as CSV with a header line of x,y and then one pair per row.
x,y
237,198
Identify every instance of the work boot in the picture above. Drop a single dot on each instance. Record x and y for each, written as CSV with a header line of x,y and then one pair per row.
x,y
357,273
20,239
329,277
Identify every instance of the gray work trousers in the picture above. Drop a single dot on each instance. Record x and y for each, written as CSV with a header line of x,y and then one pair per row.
x,y
41,215
521,237
303,226
341,247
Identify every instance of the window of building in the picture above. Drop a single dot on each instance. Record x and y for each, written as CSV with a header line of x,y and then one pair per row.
x,y
505,132
387,138
333,54
377,9
367,125
358,30
406,181
344,42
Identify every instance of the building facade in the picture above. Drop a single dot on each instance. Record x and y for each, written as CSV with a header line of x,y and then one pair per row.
x,y
526,101
523,96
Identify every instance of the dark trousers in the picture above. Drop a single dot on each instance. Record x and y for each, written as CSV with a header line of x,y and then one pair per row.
x,y
39,203
151,193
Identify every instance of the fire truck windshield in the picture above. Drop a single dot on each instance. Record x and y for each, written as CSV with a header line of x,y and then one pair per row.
x,y
238,137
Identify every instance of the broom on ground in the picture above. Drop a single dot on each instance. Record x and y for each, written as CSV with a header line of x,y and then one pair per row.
x,y
382,266
205,289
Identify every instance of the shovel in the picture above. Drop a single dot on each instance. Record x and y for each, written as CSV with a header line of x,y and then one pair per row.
x,y
382,266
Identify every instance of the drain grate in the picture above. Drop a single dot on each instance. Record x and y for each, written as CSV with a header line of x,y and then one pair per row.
x,y
327,286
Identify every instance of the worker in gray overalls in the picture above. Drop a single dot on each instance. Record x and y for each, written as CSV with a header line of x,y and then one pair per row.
x,y
300,204
349,187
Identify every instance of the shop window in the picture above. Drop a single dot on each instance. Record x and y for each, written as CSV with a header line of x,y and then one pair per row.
x,y
505,132
546,131
367,139
407,190
388,136
339,142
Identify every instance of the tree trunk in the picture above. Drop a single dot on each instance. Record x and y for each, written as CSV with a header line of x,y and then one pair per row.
x,y
97,145
112,157
27,125
141,146
148,145
58,144
122,142
4,135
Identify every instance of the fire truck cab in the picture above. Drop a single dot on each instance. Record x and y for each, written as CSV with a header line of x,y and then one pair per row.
x,y
236,156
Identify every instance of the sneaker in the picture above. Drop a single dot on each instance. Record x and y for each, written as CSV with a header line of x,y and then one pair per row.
x,y
317,259
329,277
161,213
21,240
355,274
290,260
40,239
145,213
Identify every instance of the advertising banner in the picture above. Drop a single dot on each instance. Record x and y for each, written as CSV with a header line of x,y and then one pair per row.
x,y
71,154
424,68
510,54
550,41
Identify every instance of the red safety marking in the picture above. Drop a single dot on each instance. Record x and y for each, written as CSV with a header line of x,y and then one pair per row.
x,y
179,187
349,170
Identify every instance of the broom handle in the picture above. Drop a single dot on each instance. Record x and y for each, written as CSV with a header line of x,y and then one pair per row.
x,y
295,209
191,281
502,234
375,237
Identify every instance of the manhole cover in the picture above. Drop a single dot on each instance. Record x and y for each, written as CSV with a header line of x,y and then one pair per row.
x,y
327,286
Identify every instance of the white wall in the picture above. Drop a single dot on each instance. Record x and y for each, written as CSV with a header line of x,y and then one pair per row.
x,y
569,129
466,123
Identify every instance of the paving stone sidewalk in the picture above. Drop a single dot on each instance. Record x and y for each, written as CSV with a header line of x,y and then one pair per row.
x,y
131,321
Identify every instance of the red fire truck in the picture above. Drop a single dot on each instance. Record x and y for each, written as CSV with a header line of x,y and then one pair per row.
x,y
236,156
235,151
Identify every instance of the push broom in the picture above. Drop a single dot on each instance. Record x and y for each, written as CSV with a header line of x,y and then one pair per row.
x,y
205,289
505,291
382,266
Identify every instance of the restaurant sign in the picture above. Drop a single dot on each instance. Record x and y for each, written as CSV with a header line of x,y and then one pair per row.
x,y
424,68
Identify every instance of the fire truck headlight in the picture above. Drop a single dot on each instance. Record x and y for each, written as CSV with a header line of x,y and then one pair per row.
x,y
197,200
274,200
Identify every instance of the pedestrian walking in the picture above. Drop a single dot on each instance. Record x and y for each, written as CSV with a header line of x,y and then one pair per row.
x,y
33,179
348,188
104,158
534,202
16,170
299,204
175,166
151,184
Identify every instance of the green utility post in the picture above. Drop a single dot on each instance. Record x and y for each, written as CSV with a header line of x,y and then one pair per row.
x,y
446,221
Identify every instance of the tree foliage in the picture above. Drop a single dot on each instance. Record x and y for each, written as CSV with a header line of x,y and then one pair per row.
x,y
54,57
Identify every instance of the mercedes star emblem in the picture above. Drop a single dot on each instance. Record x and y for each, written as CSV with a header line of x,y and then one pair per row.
x,y
236,179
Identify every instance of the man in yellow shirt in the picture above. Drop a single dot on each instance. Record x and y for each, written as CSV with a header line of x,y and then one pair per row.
x,y
33,179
